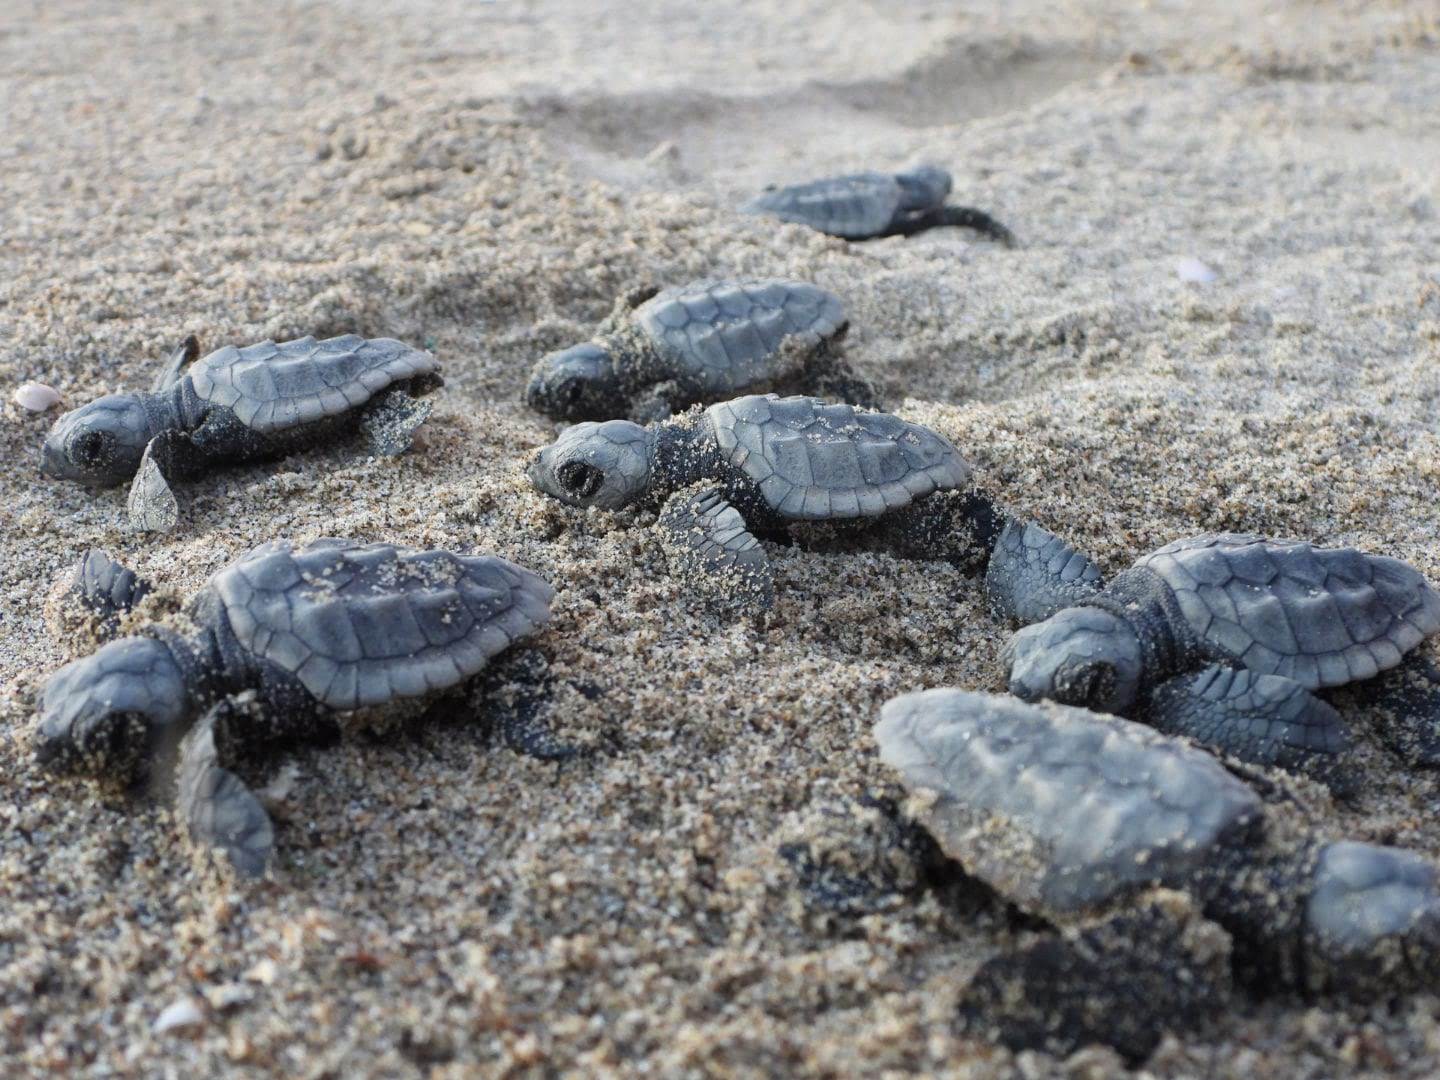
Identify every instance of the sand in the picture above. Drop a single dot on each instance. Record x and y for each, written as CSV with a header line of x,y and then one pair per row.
x,y
483,179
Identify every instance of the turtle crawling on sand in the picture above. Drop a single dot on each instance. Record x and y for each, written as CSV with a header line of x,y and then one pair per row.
x,y
768,465
279,642
861,206
1075,816
238,405
1227,638
660,352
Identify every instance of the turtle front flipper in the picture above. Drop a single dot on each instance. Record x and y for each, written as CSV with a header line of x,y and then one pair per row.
x,y
152,506
217,809
184,355
1264,719
390,422
1407,698
707,540
1032,574
105,589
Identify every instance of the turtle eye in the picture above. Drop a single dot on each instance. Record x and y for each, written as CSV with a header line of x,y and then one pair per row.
x,y
89,448
580,478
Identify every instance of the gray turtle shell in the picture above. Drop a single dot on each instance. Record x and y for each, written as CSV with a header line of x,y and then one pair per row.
x,y
722,336
854,207
362,624
1321,616
1060,809
273,387
814,461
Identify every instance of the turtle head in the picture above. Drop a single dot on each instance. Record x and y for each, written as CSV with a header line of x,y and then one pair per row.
x,y
1081,656
578,383
99,444
108,713
605,465
923,187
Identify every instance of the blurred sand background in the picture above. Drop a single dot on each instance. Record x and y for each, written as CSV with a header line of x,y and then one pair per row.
x,y
483,178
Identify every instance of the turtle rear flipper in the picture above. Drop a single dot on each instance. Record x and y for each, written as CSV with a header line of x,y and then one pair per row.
x,y
1408,700
1264,719
1123,982
105,589
391,421
214,804
1032,574
963,217
706,538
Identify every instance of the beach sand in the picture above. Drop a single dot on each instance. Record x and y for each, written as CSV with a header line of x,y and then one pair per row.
x,y
483,179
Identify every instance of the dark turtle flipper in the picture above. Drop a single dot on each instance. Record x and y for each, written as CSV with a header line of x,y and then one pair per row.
x,y
152,506
827,375
1032,574
391,420
964,217
218,810
659,403
514,694
1408,702
962,526
105,589
1123,982
707,540
185,355
1265,719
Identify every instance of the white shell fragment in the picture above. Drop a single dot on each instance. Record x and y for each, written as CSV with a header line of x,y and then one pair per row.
x,y
36,397
179,1014
1194,272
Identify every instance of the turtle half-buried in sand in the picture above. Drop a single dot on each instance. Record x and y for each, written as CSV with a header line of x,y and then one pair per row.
x,y
240,404
1230,639
279,643
1077,817
660,352
861,206
764,466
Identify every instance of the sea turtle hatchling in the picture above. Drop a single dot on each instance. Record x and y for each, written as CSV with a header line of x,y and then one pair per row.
x,y
772,466
240,404
660,352
860,206
281,641
1228,638
1073,816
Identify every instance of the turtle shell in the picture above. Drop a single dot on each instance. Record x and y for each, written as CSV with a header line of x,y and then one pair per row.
x,y
362,624
1060,809
722,336
1320,616
273,387
853,207
813,461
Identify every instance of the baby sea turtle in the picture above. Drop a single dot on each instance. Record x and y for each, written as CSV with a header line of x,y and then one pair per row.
x,y
281,641
771,465
660,352
1227,638
237,405
860,206
1074,815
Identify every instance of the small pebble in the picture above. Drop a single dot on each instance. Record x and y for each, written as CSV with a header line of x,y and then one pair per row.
x,y
1195,272
36,397
180,1014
